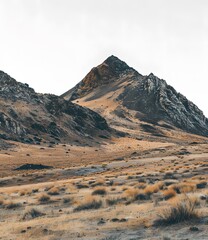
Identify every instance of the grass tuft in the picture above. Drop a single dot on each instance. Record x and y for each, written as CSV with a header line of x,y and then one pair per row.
x,y
54,191
169,193
44,198
90,203
11,205
99,191
184,210
32,213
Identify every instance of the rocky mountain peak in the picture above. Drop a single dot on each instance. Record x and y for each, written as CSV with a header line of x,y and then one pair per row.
x,y
107,72
116,65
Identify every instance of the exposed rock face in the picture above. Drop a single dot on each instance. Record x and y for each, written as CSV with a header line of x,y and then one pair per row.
x,y
159,101
13,90
152,98
31,117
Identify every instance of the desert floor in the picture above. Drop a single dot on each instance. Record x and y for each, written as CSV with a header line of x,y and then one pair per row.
x,y
123,189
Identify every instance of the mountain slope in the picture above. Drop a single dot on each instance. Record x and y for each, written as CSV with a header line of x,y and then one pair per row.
x,y
31,117
116,90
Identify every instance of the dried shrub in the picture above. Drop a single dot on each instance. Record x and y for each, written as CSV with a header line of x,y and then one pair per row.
x,y
82,185
44,198
54,191
67,200
150,189
114,200
99,191
169,193
32,213
184,187
201,185
183,210
89,203
131,194
11,204
1,200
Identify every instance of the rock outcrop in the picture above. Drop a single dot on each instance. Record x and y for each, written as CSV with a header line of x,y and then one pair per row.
x,y
159,101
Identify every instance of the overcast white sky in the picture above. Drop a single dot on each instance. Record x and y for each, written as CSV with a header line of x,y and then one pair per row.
x,y
52,44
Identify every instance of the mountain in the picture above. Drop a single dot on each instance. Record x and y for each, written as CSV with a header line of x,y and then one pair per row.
x,y
31,117
128,99
106,73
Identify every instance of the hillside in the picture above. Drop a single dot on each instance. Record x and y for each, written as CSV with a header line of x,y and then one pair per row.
x,y
30,117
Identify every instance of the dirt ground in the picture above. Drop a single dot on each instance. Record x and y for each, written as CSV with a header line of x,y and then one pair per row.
x,y
118,190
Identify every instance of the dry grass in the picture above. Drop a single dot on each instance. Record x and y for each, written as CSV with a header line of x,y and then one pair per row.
x,y
201,185
82,185
115,200
131,198
89,203
131,193
169,193
11,205
23,192
184,187
150,189
99,191
43,198
54,191
183,210
31,213
1,200
67,200
99,182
